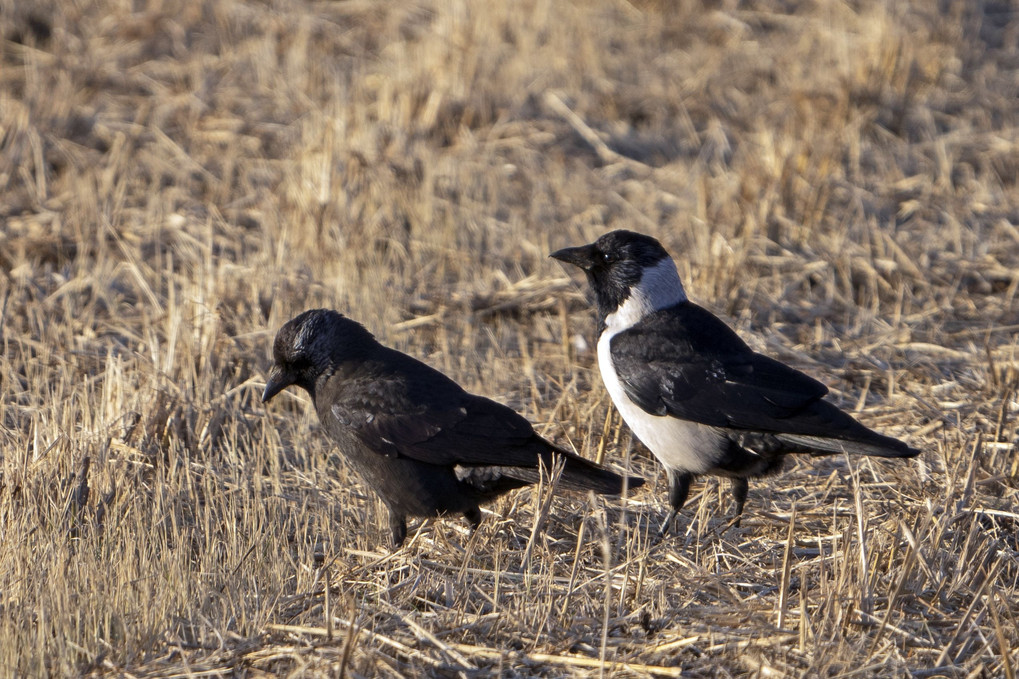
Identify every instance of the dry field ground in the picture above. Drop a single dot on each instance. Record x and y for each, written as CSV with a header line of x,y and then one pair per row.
x,y
177,179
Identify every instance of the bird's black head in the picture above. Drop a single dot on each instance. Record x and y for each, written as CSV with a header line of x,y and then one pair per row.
x,y
615,264
308,345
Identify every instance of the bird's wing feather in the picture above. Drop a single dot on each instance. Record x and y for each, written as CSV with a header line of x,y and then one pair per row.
x,y
688,364
419,413
472,433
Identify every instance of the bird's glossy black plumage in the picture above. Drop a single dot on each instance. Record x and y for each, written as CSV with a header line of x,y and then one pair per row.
x,y
426,446
692,391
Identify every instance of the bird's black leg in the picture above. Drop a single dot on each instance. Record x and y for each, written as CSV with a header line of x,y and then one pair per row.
x,y
398,526
473,517
740,486
679,488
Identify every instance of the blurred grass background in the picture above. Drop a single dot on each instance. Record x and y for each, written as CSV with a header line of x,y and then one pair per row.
x,y
177,179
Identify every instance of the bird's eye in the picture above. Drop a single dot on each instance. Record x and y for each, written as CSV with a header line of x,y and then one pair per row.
x,y
607,258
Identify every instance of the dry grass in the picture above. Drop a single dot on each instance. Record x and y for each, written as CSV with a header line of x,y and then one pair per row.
x,y
178,179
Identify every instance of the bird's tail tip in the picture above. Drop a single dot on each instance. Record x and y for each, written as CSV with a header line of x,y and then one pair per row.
x,y
610,484
616,484
878,446
890,448
911,452
634,481
582,474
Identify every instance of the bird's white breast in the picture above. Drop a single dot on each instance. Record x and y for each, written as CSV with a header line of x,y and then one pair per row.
x,y
678,444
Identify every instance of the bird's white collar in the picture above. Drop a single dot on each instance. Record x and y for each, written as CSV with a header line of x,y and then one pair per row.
x,y
659,288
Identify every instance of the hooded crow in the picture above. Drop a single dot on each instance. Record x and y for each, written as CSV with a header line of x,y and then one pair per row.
x,y
426,446
691,390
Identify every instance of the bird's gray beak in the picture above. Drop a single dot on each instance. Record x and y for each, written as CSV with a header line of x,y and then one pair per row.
x,y
584,256
277,382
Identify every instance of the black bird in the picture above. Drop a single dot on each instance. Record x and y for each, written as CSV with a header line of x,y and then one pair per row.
x,y
426,446
691,390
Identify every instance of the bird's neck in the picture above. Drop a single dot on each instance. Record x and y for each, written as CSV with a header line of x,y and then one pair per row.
x,y
659,288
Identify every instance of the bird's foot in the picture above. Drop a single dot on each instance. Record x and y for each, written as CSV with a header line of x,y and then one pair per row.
x,y
473,517
666,528
734,522
398,528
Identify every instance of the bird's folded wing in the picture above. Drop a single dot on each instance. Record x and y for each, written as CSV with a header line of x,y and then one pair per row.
x,y
470,430
742,389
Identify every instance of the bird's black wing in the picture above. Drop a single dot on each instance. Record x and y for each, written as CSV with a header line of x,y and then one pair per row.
x,y
687,363
402,407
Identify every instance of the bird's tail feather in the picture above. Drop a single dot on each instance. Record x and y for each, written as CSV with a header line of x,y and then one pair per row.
x,y
578,474
881,446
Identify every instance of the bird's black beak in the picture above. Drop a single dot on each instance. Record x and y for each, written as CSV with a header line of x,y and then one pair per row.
x,y
584,256
277,382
